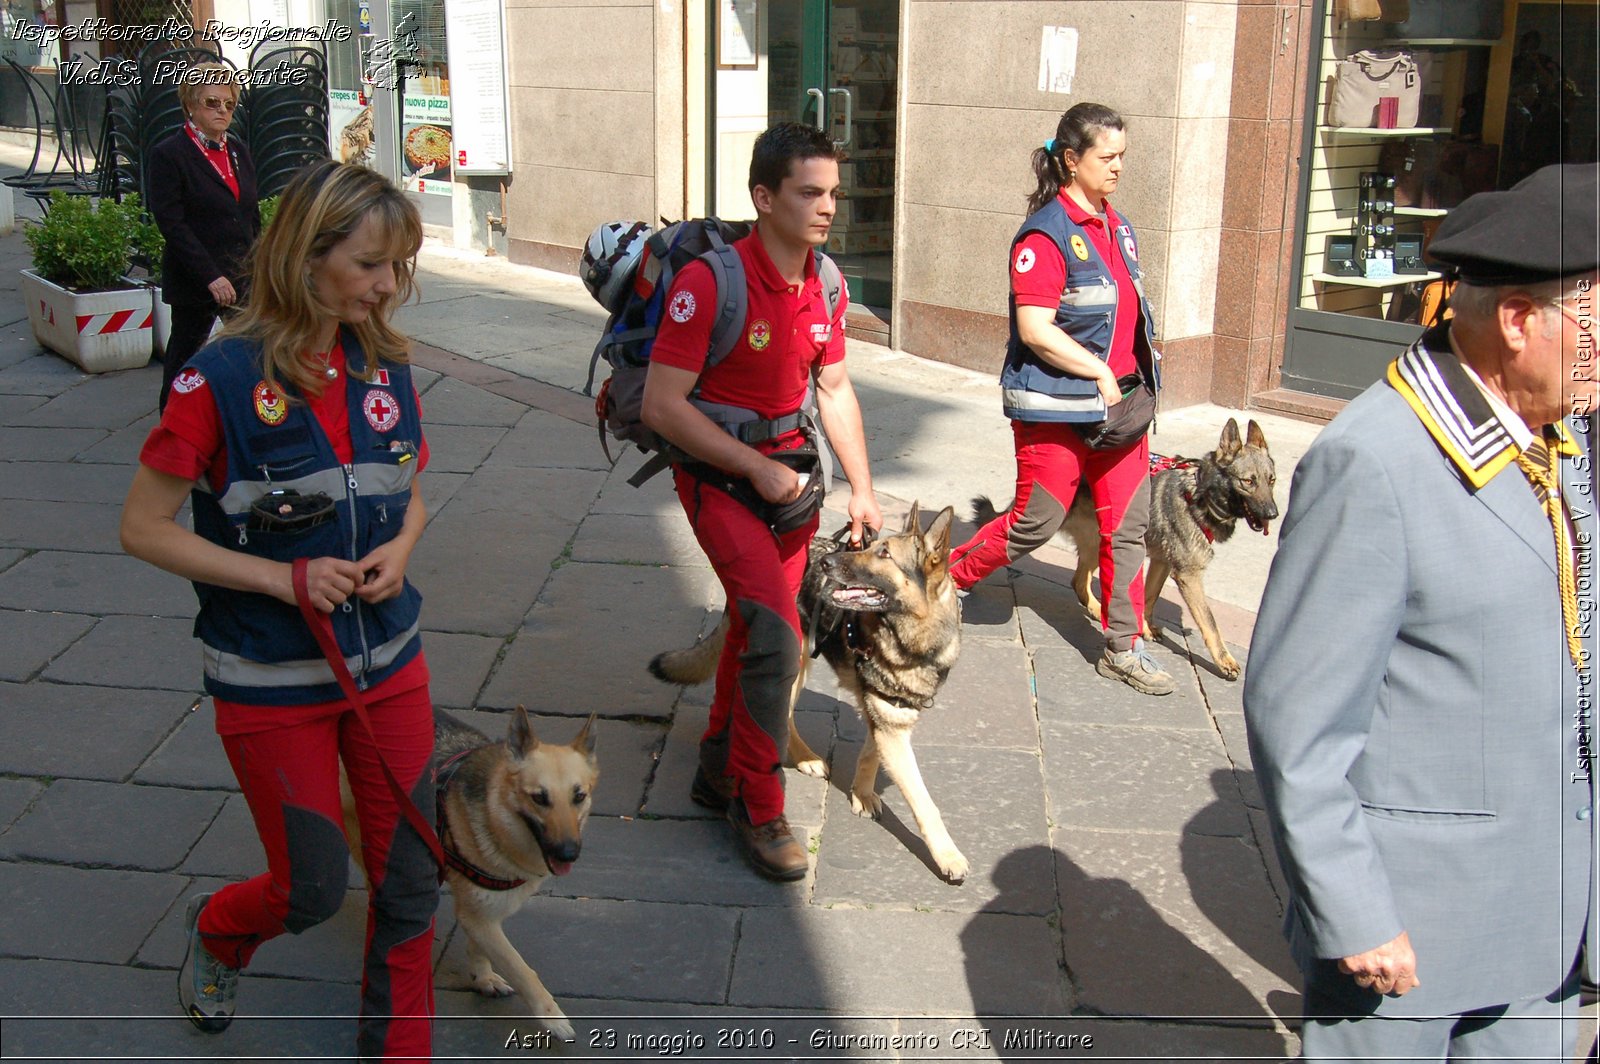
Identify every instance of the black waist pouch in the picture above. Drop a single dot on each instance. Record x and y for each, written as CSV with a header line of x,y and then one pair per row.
x,y
287,510
1126,422
781,517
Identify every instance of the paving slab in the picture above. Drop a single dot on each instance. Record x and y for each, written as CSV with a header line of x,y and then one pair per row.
x,y
993,804
1163,925
158,652
192,756
655,497
628,539
848,959
10,557
40,374
88,527
95,584
1236,742
33,639
62,481
108,401
1138,779
543,440
122,447
986,702
90,824
1222,696
688,861
1071,692
46,445
15,797
458,663
438,489
451,402
43,729
459,448
13,407
78,914
633,950
230,847
626,750
597,621
481,575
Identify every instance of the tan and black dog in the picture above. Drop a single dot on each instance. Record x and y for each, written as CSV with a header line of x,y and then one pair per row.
x,y
888,621
510,815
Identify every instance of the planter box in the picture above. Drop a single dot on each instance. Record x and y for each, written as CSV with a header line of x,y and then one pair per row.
x,y
99,331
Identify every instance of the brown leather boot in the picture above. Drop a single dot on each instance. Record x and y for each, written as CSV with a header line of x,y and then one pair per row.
x,y
711,790
771,847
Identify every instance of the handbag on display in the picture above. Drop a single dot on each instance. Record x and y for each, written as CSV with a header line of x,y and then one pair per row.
x,y
1373,10
1363,78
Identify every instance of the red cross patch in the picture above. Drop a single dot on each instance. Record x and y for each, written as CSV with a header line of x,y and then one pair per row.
x,y
188,381
383,413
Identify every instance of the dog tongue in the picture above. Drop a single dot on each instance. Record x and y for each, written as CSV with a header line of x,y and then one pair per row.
x,y
558,868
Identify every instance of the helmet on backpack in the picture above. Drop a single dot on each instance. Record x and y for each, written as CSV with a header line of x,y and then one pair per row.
x,y
609,257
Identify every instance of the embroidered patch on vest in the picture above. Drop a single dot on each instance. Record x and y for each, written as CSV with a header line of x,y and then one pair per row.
x,y
188,381
821,332
1079,248
760,334
383,413
381,378
270,406
1127,246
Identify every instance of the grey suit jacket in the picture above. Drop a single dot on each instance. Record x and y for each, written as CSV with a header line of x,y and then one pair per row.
x,y
1413,718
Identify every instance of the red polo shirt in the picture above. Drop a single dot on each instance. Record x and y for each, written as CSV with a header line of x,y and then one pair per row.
x,y
1039,276
787,332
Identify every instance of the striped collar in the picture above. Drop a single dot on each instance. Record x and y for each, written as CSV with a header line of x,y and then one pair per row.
x,y
1455,409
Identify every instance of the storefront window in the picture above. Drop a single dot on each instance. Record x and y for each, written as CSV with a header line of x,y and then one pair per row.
x,y
425,150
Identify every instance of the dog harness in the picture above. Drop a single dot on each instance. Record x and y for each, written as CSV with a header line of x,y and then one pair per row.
x,y
452,856
1160,463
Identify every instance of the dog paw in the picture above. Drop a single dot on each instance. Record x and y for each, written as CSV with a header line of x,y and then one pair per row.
x,y
559,1026
1153,632
868,804
813,766
952,865
1228,666
491,985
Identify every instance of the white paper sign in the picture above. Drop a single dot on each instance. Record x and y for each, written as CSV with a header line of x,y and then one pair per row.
x,y
479,110
1058,59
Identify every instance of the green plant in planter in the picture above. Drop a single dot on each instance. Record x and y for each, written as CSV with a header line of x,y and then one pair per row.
x,y
268,209
148,243
84,245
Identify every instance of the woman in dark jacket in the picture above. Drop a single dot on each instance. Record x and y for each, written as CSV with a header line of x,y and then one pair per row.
x,y
202,188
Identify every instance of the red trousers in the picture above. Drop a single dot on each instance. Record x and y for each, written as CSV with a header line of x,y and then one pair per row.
x,y
290,777
1051,461
760,572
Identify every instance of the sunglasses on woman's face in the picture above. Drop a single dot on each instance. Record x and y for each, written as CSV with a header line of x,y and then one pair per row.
x,y
217,103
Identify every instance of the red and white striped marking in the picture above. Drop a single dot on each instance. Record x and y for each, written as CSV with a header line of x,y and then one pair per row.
x,y
118,321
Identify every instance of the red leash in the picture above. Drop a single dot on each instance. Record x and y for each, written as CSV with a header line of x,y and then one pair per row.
x,y
322,628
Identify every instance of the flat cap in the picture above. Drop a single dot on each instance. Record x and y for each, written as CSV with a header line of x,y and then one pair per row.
x,y
1542,228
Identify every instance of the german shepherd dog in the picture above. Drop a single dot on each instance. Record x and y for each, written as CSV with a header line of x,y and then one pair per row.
x,y
888,621
1193,507
510,814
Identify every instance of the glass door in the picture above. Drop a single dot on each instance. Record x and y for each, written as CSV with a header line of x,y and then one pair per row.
x,y
832,63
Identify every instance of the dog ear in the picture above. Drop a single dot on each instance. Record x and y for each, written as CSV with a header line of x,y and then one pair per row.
x,y
1229,444
1255,437
583,742
914,519
520,740
936,541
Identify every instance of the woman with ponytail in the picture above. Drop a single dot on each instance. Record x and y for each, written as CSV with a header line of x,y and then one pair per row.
x,y
1081,343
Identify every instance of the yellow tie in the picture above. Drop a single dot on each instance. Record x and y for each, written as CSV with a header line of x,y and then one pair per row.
x,y
1535,461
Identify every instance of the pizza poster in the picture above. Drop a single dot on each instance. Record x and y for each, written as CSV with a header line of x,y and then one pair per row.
x,y
425,145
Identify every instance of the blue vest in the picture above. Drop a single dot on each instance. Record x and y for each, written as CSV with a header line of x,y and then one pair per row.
x,y
257,649
1034,390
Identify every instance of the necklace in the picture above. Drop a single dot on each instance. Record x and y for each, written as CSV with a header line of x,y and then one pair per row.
x,y
329,371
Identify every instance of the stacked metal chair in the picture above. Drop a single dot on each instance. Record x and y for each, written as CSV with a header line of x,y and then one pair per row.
x,y
286,126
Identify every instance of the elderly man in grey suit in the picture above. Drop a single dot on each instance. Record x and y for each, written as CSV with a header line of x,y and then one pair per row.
x,y
1420,697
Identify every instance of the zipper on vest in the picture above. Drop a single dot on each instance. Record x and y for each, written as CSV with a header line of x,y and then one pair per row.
x,y
361,628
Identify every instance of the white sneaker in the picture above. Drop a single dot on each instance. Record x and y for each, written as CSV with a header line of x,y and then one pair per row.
x,y
1137,668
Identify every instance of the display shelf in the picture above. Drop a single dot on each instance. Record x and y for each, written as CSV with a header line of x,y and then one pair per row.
x,y
1376,282
1374,131
1420,212
1442,42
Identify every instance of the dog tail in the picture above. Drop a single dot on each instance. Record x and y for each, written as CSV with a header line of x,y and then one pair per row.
x,y
983,510
695,664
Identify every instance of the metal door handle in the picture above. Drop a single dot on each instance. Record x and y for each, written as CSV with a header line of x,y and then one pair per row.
x,y
822,107
849,115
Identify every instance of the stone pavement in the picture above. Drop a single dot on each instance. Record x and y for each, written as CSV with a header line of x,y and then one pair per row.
x,y
1120,892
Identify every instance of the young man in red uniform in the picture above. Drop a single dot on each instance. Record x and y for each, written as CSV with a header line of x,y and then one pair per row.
x,y
788,337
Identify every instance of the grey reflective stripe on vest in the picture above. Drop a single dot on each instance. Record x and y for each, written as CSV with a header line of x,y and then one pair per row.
x,y
225,667
1092,295
1022,399
375,478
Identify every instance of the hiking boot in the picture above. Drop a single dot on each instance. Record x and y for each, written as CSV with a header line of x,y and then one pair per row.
x,y
206,986
1137,668
771,847
714,791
